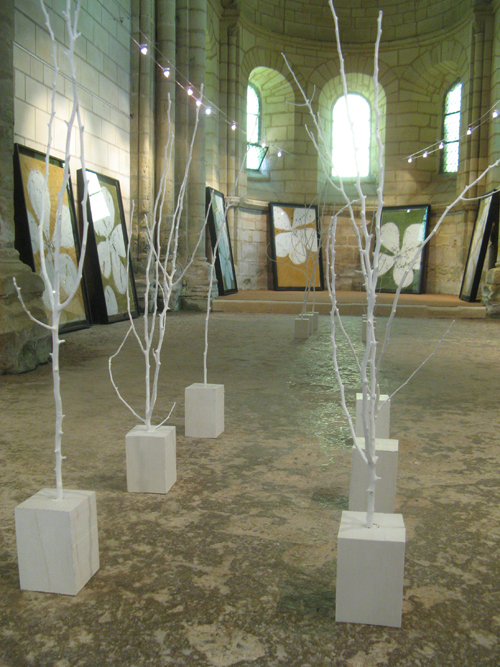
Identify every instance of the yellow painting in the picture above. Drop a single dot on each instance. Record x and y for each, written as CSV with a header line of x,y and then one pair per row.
x,y
41,199
297,253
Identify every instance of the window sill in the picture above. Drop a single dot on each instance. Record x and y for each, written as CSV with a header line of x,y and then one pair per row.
x,y
257,176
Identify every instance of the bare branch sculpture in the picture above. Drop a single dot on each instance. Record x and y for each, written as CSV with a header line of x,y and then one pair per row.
x,y
53,284
369,241
162,278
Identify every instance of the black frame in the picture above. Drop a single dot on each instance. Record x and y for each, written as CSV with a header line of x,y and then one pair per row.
x,y
23,237
219,231
403,217
281,283
100,285
487,214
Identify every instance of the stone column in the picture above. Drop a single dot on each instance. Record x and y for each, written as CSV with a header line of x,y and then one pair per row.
x,y
23,344
142,132
165,100
192,59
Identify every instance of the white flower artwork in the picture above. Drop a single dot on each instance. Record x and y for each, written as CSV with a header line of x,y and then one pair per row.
x,y
67,266
112,253
297,239
398,255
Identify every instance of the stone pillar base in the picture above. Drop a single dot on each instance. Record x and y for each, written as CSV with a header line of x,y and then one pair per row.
x,y
23,344
491,293
195,286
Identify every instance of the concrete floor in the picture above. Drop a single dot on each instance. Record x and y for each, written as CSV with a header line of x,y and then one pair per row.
x,y
236,564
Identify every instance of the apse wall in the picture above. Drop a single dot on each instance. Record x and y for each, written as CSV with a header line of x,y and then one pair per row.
x,y
418,64
102,63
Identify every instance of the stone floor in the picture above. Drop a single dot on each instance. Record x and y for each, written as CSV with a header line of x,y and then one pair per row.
x,y
236,564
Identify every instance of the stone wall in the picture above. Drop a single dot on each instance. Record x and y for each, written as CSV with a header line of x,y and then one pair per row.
x,y
102,63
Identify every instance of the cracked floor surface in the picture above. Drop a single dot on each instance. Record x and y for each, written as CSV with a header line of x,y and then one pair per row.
x,y
236,564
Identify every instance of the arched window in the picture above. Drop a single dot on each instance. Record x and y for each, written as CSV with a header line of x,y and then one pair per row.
x,y
255,152
451,129
351,136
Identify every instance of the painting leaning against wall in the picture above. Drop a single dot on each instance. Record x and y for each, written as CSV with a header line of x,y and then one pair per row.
x,y
31,187
402,230
296,250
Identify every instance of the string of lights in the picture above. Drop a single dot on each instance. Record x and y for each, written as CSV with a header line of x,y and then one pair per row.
x,y
491,114
169,70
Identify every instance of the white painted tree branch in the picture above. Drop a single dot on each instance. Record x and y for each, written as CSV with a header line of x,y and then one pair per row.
x,y
161,263
53,287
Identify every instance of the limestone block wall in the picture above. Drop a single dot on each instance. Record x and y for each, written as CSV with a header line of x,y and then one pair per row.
x,y
103,72
252,248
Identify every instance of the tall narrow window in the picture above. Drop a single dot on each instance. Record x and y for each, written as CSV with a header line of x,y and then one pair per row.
x,y
255,152
351,135
451,128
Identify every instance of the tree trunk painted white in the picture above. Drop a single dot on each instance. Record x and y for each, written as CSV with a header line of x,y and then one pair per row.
x,y
52,286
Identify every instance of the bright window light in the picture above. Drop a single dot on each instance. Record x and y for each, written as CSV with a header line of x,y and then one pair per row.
x,y
351,140
451,123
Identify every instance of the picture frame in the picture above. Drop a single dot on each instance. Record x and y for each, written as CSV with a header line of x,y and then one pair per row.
x,y
219,231
29,178
402,229
110,277
296,247
487,214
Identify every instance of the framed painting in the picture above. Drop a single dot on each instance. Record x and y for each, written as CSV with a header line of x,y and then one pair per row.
x,y
221,243
487,214
110,278
296,248
402,229
29,184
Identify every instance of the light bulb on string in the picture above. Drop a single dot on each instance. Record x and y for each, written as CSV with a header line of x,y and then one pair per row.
x,y
166,72
425,154
233,126
279,153
441,145
189,91
144,49
208,111
410,159
495,113
469,130
198,103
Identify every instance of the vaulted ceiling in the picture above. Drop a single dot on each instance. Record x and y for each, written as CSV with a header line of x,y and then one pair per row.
x,y
312,19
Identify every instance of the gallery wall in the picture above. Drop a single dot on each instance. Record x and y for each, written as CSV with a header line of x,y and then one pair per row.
x,y
102,62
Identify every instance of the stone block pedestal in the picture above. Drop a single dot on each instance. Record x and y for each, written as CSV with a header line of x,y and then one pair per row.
x,y
383,421
302,327
151,459
313,321
387,470
204,410
370,569
57,541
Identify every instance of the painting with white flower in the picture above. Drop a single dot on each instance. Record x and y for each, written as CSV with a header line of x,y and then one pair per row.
x,y
31,189
109,270
487,216
297,262
402,230
221,243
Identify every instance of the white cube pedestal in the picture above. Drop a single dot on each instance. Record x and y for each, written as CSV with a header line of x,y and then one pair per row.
x,y
151,459
387,470
370,569
383,421
302,327
204,410
57,542
314,320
